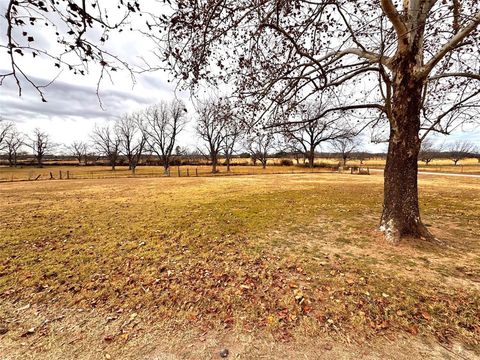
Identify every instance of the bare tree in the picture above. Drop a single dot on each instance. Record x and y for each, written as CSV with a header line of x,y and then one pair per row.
x,y
414,60
345,147
13,141
315,129
5,129
79,149
133,137
461,149
428,151
230,142
107,142
260,145
40,144
163,122
213,120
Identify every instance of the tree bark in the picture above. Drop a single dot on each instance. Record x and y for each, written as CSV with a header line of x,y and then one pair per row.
x,y
401,214
214,163
39,161
227,160
311,158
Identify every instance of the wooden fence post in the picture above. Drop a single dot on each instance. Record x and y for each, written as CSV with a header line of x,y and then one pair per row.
x,y
178,171
196,172
60,174
188,172
68,174
51,176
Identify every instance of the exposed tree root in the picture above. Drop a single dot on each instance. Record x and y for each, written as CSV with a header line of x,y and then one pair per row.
x,y
393,235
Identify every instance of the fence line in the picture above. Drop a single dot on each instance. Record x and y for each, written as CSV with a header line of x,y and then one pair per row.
x,y
186,172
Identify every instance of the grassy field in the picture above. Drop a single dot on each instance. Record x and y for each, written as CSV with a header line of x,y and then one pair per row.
x,y
275,266
105,172
23,173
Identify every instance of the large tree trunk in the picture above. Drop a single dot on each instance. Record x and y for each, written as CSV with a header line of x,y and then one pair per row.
x,y
214,163
39,161
166,171
166,165
401,214
227,160
311,158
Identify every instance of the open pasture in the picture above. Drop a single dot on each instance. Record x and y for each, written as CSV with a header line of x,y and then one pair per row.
x,y
105,172
24,173
281,265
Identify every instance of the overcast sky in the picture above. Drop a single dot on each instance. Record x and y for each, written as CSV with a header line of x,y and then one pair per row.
x,y
72,107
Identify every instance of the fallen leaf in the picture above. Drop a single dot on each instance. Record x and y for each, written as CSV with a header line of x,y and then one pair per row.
x,y
426,315
108,338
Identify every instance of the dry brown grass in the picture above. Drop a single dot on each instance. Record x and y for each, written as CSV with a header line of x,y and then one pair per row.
x,y
135,268
104,172
24,173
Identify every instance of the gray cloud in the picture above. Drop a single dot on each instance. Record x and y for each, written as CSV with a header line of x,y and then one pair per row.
x,y
66,99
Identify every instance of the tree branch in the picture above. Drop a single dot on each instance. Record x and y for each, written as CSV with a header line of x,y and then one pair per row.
x,y
393,15
450,45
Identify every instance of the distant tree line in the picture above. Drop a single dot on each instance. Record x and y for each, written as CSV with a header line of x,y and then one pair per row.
x,y
150,137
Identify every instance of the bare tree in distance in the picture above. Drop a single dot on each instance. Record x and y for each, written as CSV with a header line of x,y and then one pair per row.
x,y
79,149
460,149
162,124
410,63
345,146
260,145
230,142
133,137
5,128
315,129
14,140
214,115
40,144
428,151
107,142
